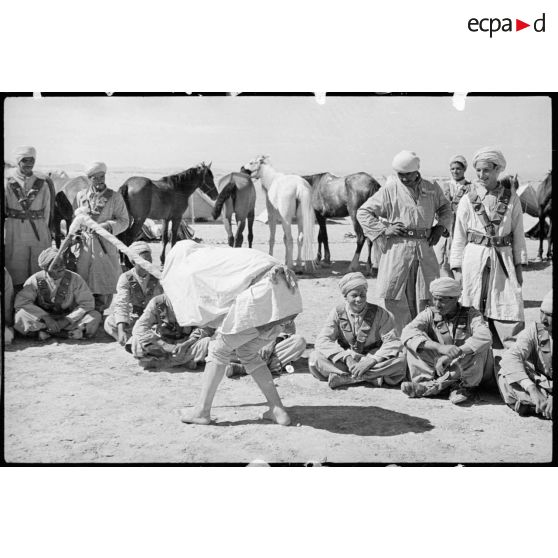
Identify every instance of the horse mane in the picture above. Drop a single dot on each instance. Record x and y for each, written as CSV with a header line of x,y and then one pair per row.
x,y
509,181
183,176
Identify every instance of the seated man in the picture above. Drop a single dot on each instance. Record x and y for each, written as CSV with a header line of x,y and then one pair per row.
x,y
448,346
134,290
278,353
8,308
55,302
358,342
158,341
525,376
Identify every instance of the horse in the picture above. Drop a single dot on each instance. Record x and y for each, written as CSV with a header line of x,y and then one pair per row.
x,y
238,194
287,195
336,196
542,212
166,198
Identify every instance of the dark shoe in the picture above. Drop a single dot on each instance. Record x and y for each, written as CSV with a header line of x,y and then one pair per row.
x,y
235,369
338,380
460,395
413,389
524,409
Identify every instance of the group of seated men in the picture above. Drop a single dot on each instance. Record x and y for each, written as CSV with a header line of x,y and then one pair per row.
x,y
445,348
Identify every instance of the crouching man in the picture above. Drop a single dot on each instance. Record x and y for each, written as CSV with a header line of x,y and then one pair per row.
x,y
158,341
358,342
525,376
448,346
134,290
55,302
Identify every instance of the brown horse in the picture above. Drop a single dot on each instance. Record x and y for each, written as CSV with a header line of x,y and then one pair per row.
x,y
544,203
165,199
336,196
238,195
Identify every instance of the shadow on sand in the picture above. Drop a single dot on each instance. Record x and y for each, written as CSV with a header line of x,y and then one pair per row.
x,y
351,419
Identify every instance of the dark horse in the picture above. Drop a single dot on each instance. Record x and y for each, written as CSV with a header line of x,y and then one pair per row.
x,y
63,211
165,199
543,229
238,195
335,196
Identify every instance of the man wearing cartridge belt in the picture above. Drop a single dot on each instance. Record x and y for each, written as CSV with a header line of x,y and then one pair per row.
x,y
489,248
28,203
408,263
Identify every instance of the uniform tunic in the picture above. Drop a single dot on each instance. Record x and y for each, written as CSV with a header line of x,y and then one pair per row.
x,y
406,263
528,361
101,268
77,305
132,295
473,333
453,191
504,300
21,244
381,346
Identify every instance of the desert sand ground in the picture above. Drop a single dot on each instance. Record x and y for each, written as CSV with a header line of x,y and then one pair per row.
x,y
89,402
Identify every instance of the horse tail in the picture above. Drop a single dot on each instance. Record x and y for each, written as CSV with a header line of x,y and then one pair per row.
x,y
223,196
305,199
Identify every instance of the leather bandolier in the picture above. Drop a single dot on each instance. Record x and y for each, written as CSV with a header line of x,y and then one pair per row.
x,y
168,328
460,190
54,307
490,239
349,339
25,201
543,378
461,328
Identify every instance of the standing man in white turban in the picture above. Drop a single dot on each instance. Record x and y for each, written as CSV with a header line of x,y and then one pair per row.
x,y
408,264
448,346
525,375
454,190
28,205
357,343
134,290
489,248
98,261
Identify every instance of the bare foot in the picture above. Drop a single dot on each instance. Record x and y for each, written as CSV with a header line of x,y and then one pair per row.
x,y
278,415
194,416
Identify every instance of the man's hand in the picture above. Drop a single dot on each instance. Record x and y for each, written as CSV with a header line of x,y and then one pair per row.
x,y
122,336
266,351
547,411
451,351
435,234
519,273
441,364
395,229
361,367
288,276
538,399
51,324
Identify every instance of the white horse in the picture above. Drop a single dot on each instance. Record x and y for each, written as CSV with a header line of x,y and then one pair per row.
x,y
287,195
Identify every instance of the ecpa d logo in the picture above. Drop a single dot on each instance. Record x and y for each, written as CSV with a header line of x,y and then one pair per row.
x,y
492,25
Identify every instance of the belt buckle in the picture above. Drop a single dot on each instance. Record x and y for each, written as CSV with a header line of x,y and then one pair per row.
x,y
411,233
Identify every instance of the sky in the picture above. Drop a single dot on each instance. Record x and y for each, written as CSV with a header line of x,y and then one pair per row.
x,y
344,135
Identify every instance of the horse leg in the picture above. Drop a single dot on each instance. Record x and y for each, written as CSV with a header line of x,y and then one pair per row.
x,y
549,240
320,237
175,225
272,225
239,238
164,239
541,234
250,228
227,222
369,258
355,263
288,240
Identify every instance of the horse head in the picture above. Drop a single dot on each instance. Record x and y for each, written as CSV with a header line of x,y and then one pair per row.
x,y
254,166
510,181
207,184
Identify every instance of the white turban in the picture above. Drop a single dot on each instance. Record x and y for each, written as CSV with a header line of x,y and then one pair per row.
x,y
406,161
95,167
490,155
46,257
139,247
446,286
546,305
24,151
352,281
458,159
